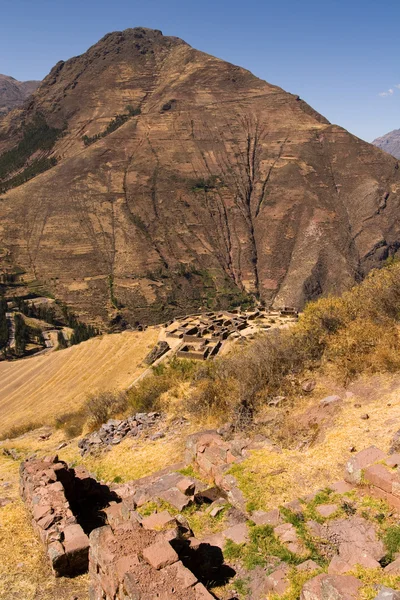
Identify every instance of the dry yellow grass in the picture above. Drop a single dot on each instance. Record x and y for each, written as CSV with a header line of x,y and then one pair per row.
x,y
269,479
39,388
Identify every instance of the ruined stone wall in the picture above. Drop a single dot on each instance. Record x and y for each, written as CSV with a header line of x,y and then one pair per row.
x,y
41,488
134,560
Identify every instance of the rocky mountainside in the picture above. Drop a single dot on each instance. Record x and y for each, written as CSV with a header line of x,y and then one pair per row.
x,y
151,179
13,92
389,143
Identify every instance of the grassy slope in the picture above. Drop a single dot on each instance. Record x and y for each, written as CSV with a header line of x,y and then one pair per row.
x,y
39,388
269,479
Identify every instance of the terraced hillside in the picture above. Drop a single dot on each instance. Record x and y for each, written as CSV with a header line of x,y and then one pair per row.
x,y
150,178
40,388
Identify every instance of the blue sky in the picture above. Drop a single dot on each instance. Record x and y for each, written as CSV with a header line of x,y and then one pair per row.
x,y
338,55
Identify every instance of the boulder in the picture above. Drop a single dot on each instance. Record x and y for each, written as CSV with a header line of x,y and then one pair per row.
x,y
278,581
330,401
308,385
393,568
271,517
340,565
158,521
308,566
238,533
288,536
331,587
326,510
385,593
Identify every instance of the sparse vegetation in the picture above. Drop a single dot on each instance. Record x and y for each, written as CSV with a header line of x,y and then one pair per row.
x,y
104,405
38,136
3,325
263,544
113,125
205,185
391,539
146,395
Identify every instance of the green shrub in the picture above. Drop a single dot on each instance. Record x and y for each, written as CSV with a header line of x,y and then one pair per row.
x,y
37,136
391,540
113,125
145,396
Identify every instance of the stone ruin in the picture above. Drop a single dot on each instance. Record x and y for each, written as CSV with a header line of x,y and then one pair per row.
x,y
116,430
65,506
85,525
203,335
157,352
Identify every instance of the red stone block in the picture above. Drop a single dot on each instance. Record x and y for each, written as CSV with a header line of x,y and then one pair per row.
x,y
379,476
340,587
158,521
186,486
393,501
360,461
160,555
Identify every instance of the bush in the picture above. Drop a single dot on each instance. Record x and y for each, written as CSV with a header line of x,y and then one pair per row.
x,y
102,406
146,395
392,541
113,125
72,423
355,333
37,136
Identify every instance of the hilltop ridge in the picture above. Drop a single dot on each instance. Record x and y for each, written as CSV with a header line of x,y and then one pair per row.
x,y
13,93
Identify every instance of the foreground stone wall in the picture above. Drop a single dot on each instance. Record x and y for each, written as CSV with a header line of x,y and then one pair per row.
x,y
132,560
41,488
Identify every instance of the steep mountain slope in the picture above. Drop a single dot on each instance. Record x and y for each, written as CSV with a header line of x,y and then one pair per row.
x,y
224,185
13,92
389,143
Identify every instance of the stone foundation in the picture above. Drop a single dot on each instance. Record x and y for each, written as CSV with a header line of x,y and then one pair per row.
x,y
66,543
65,505
129,561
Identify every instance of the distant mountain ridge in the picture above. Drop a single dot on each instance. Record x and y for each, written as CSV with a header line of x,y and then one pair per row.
x,y
14,92
390,143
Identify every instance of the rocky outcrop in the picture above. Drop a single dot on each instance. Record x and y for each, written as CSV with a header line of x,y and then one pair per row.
x,y
218,186
142,546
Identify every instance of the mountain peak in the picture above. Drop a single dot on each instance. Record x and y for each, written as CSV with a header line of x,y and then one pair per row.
x,y
183,182
13,93
390,143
